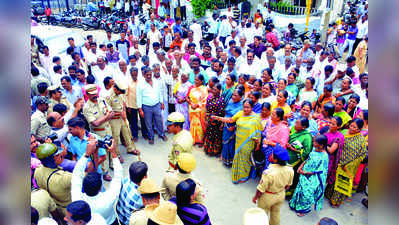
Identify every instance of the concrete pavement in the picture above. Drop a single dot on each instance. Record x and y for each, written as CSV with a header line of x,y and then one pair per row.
x,y
227,202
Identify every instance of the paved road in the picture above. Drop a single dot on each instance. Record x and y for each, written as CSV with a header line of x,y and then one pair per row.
x,y
227,202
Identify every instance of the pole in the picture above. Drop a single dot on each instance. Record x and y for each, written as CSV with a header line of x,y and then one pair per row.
x,y
308,4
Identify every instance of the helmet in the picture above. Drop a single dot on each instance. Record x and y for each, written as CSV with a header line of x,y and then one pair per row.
x,y
186,162
45,150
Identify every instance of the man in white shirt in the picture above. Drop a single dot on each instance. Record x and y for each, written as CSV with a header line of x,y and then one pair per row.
x,y
363,30
46,60
153,36
91,57
156,68
79,212
197,31
224,30
250,67
91,183
102,70
257,30
122,74
243,46
150,103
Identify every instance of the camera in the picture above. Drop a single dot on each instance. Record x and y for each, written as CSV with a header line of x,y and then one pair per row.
x,y
105,141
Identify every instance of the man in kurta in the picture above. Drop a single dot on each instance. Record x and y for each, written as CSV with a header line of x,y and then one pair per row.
x,y
270,192
182,141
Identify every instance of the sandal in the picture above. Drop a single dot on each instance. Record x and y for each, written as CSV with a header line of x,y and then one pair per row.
x,y
301,214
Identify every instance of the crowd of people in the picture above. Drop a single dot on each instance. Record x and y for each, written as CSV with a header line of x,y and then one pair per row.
x,y
293,119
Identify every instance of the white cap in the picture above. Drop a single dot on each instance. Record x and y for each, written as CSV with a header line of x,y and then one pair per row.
x,y
255,216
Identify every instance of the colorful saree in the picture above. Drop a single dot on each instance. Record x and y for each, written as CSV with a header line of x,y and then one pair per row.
x,y
248,130
277,133
336,137
181,91
229,137
213,135
198,96
310,189
228,93
353,152
344,116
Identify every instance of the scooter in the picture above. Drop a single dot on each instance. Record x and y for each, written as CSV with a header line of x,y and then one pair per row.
x,y
90,22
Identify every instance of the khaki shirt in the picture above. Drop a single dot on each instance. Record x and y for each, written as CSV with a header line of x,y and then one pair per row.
x,y
35,81
59,185
94,111
182,142
275,178
115,101
139,217
131,101
39,125
42,202
53,102
172,179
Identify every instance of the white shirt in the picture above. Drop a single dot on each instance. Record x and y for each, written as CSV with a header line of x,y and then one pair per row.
x,y
100,74
253,69
97,219
106,3
283,72
56,78
197,30
225,28
103,203
91,57
47,62
257,31
363,29
154,37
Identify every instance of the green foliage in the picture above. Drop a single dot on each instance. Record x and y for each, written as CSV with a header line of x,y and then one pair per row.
x,y
281,5
200,7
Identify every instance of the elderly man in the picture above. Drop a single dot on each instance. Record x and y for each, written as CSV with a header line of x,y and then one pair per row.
x,y
150,101
164,89
101,71
122,74
283,54
305,53
250,67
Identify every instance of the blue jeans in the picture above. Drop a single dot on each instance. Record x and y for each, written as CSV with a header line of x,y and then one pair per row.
x,y
153,113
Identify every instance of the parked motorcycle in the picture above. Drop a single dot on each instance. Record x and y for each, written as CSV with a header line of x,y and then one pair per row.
x,y
90,23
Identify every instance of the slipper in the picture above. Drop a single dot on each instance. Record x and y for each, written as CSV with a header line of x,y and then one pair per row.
x,y
134,152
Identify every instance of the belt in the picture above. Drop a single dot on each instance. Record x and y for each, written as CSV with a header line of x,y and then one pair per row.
x,y
116,117
272,192
99,129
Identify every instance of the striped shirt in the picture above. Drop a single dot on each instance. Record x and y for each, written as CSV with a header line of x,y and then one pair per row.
x,y
195,213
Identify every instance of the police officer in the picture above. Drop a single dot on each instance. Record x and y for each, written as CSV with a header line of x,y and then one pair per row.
x,y
150,193
98,115
270,193
185,165
118,122
39,126
56,97
182,141
51,177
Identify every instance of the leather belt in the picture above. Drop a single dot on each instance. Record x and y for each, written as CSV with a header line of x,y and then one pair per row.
x,y
99,129
116,117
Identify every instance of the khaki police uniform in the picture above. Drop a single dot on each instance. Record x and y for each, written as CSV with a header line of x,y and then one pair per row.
x,y
140,217
117,123
38,124
182,142
42,202
58,185
272,185
172,179
53,102
92,112
35,81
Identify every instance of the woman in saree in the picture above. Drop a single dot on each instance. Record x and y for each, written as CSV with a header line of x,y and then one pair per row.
x,y
229,137
228,88
196,98
353,153
334,150
267,77
180,93
360,181
352,107
214,129
291,86
265,114
258,84
306,109
248,136
307,93
340,111
267,94
254,96
275,133
312,179
281,86
324,98
361,55
281,102
299,146
323,118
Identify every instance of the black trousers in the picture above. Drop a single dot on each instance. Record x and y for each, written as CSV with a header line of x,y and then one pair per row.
x,y
183,12
132,117
107,10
